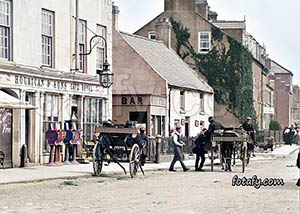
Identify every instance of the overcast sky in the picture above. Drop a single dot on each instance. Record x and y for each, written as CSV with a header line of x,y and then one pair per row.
x,y
275,23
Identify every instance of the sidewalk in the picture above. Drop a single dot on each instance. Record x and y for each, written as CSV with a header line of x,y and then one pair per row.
x,y
286,150
40,173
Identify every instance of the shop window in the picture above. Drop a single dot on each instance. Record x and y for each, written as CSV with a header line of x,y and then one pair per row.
x,y
92,116
51,114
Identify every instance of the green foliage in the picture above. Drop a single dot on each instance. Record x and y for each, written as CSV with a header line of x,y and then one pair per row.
x,y
274,125
227,67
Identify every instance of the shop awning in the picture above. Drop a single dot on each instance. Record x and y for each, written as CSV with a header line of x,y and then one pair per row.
x,y
8,101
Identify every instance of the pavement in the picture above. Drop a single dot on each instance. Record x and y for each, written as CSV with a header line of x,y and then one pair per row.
x,y
40,173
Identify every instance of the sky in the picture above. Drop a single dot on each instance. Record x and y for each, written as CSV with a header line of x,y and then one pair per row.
x,y
275,23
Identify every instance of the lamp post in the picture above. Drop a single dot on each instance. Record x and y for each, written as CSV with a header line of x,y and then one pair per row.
x,y
106,77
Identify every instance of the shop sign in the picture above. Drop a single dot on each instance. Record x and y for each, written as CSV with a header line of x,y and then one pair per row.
x,y
44,83
132,101
158,101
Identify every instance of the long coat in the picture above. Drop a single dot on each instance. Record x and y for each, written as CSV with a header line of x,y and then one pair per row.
x,y
200,144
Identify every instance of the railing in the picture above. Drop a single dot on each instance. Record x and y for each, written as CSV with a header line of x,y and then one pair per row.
x,y
164,146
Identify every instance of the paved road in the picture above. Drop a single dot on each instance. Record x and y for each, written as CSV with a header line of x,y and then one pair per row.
x,y
160,192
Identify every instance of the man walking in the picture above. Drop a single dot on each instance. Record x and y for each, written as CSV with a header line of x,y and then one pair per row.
x,y
178,156
200,151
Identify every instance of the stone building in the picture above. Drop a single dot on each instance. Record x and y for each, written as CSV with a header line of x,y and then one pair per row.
x,y
283,84
155,87
37,67
199,19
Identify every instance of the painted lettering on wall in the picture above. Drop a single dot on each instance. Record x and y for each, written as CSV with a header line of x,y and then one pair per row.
x,y
132,101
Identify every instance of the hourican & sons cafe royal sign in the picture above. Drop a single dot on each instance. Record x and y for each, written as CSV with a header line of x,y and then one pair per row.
x,y
44,83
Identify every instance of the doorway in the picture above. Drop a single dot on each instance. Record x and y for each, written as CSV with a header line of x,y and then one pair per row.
x,y
6,135
187,127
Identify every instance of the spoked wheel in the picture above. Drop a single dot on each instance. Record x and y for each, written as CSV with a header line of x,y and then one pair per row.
x,y
244,157
134,160
97,159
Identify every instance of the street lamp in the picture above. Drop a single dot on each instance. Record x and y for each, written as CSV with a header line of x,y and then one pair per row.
x,y
106,77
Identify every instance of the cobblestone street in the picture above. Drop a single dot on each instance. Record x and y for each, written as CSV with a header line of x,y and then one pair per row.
x,y
160,192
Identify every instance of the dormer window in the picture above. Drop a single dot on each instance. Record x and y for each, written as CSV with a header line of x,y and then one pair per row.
x,y
152,35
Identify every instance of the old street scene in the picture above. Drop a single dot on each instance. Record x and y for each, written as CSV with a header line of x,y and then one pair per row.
x,y
153,106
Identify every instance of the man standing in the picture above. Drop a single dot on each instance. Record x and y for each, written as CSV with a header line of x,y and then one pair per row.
x,y
178,144
200,151
142,141
248,127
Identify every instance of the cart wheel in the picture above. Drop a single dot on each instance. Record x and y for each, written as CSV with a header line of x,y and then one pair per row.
x,y
97,159
134,160
244,158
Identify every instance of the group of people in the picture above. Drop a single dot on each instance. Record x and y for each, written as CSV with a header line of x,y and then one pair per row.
x,y
203,142
291,135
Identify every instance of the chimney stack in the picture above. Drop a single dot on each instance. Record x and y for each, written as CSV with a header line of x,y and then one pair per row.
x,y
179,5
163,31
202,8
115,17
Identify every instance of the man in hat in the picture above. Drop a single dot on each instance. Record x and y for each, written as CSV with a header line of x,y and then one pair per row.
x,y
178,156
142,141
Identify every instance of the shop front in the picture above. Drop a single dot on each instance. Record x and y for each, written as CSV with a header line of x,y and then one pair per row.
x,y
57,98
149,111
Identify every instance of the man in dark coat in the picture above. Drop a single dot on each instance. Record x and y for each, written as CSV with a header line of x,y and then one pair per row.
x,y
213,126
200,151
248,127
178,156
143,141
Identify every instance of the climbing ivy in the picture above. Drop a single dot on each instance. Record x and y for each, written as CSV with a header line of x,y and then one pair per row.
x,y
227,67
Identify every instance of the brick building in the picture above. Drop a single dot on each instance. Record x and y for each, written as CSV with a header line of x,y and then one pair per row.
x,y
199,19
283,84
296,104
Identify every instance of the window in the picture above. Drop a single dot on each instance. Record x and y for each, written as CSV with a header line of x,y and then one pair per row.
x,y
204,42
201,103
51,115
82,45
182,100
100,57
297,105
47,37
5,27
93,114
152,35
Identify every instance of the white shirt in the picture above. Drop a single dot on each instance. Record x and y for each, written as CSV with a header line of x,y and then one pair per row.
x,y
175,139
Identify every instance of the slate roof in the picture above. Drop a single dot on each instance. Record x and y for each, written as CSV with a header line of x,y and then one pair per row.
x,y
167,63
279,69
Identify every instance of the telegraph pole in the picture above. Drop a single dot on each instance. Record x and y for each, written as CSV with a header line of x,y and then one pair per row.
x,y
76,34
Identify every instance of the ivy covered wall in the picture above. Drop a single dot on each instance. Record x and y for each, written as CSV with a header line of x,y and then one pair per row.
x,y
227,67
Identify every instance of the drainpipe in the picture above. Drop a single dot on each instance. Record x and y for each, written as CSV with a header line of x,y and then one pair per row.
x,y
170,90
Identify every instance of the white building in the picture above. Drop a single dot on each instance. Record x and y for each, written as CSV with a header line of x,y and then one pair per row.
x,y
37,66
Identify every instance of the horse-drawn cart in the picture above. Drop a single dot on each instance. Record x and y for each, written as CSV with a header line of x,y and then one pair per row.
x,y
239,139
117,145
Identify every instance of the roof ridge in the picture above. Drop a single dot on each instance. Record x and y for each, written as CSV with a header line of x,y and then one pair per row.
x,y
141,37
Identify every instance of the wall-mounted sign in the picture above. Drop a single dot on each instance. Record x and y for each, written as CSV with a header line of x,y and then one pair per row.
x,y
49,84
182,122
158,101
197,123
132,100
269,110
